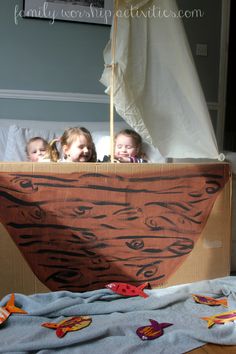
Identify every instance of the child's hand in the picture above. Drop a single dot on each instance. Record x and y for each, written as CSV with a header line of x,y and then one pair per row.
x,y
124,159
44,158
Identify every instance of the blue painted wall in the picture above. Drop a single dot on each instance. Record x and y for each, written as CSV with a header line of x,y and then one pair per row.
x,y
68,57
60,57
205,30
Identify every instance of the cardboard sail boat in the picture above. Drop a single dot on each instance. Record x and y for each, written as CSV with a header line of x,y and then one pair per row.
x,y
80,226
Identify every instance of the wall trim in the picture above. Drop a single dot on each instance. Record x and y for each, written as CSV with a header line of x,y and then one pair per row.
x,y
67,97
53,96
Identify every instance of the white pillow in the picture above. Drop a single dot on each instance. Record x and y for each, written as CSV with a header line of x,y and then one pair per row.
x,y
17,139
3,141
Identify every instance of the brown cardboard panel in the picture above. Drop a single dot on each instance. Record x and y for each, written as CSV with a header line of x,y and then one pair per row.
x,y
15,273
209,258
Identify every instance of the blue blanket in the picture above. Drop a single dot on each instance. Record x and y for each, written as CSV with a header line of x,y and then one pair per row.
x,y
116,318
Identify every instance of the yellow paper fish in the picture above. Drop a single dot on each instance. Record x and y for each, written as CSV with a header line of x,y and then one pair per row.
x,y
210,301
10,307
220,318
68,325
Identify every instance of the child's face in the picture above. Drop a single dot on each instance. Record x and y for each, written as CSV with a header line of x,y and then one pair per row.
x,y
78,151
125,147
36,150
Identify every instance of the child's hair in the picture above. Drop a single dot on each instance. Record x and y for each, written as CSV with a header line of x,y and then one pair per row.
x,y
53,153
68,137
136,138
32,140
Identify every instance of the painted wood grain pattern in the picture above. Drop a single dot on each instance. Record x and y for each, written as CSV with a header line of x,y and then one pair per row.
x,y
80,231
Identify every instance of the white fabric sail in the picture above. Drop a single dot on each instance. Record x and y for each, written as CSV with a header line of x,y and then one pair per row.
x,y
156,87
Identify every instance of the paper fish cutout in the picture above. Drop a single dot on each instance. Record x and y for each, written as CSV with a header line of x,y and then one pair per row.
x,y
210,301
220,318
10,307
127,289
4,314
153,331
68,325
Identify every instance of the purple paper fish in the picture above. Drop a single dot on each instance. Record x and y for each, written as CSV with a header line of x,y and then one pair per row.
x,y
153,331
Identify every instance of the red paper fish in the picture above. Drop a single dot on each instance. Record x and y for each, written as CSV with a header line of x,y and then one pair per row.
x,y
127,289
68,325
210,301
221,318
153,331
10,307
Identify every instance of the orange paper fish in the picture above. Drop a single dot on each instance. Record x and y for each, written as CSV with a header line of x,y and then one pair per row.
x,y
220,318
210,301
68,325
10,307
127,289
4,314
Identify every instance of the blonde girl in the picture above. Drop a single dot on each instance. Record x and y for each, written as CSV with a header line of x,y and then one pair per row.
x,y
77,146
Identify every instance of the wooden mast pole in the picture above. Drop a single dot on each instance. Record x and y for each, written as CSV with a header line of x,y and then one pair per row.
x,y
113,59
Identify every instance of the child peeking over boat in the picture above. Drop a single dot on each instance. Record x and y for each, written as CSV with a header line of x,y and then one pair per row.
x,y
36,149
127,147
76,145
